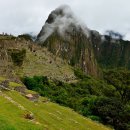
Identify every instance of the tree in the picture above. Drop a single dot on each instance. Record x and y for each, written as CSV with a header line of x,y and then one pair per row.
x,y
112,111
121,80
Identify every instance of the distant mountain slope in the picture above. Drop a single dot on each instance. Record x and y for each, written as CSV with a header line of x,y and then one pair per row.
x,y
111,52
46,115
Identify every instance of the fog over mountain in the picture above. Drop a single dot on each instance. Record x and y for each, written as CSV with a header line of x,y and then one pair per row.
x,y
28,16
61,19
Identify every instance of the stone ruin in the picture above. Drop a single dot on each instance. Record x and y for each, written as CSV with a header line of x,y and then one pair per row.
x,y
5,59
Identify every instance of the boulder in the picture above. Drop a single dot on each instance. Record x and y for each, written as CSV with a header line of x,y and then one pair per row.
x,y
32,97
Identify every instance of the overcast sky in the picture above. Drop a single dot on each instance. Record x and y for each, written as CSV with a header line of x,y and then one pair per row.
x,y
25,16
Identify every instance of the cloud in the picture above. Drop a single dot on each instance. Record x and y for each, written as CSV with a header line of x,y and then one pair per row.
x,y
22,16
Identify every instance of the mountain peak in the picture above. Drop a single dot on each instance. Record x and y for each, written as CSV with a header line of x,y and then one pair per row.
x,y
67,37
62,20
60,12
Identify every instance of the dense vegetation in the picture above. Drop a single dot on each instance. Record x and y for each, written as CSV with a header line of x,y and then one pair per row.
x,y
105,100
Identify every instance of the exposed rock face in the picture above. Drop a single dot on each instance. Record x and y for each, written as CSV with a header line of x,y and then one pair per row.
x,y
110,52
66,37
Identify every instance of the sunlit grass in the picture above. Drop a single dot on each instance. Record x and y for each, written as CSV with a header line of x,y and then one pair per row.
x,y
47,115
13,84
2,79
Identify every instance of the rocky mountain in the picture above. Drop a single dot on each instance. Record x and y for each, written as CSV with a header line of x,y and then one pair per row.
x,y
65,36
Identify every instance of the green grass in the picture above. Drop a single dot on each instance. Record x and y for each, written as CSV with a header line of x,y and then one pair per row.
x,y
2,79
48,116
13,84
31,92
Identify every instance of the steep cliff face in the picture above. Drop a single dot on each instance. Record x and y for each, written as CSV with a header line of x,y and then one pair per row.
x,y
66,37
110,52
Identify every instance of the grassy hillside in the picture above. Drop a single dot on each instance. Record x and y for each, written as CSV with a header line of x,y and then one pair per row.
x,y
20,57
47,115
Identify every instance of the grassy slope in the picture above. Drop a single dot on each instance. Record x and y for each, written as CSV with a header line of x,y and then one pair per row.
x,y
48,116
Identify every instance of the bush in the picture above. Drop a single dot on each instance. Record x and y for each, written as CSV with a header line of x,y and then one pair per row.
x,y
95,118
80,74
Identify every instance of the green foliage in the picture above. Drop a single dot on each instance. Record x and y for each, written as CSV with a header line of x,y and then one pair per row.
x,y
18,56
80,74
47,115
121,80
95,118
112,111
